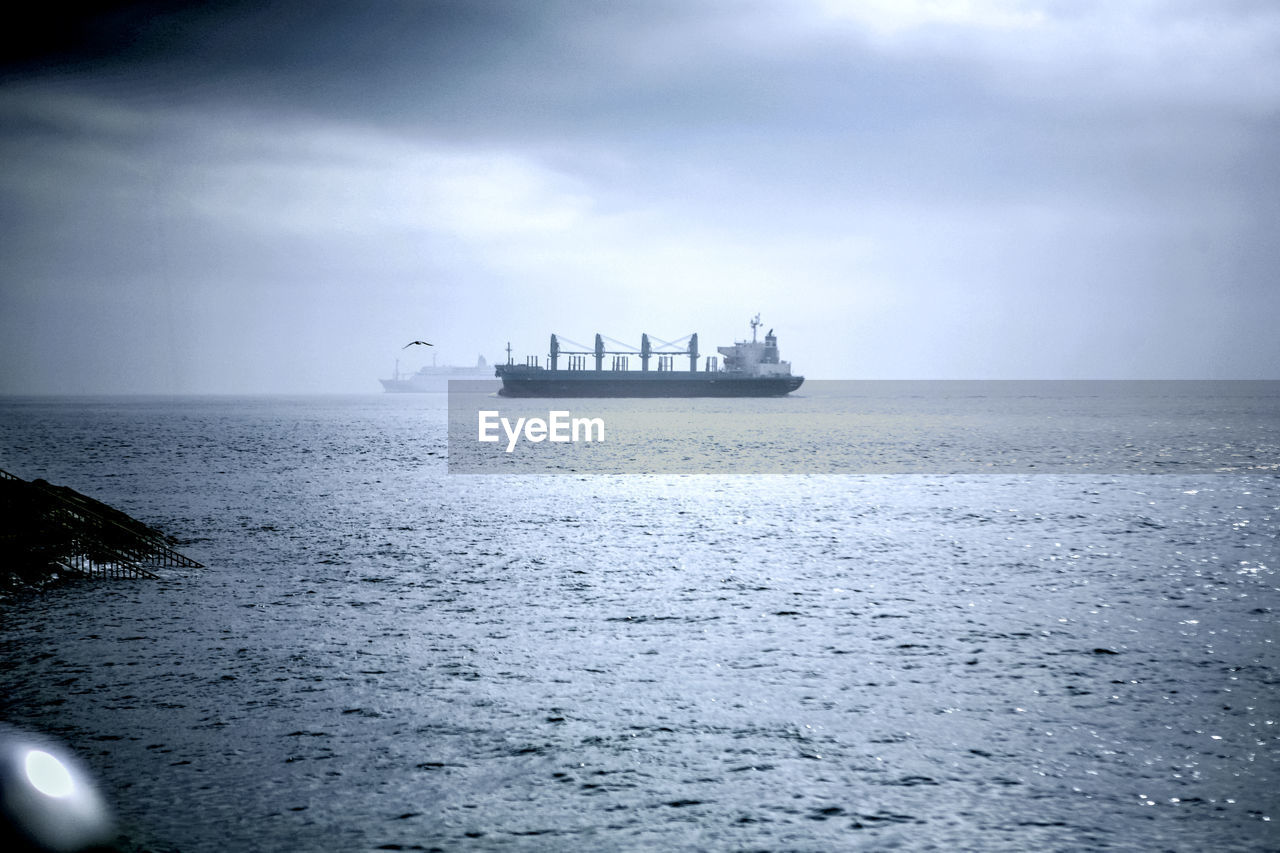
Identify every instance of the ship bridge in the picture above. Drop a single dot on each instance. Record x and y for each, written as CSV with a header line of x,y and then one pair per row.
x,y
753,357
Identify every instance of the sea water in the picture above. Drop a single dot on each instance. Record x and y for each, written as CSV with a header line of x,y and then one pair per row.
x,y
380,654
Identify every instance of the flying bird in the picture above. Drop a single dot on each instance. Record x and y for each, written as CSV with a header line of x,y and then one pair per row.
x,y
420,343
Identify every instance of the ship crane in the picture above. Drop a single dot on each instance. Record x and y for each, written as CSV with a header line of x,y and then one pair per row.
x,y
620,362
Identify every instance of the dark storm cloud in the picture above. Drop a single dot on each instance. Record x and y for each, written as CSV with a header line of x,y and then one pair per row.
x,y
496,68
678,80
328,57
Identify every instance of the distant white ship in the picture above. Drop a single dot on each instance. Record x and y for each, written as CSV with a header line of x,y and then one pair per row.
x,y
435,378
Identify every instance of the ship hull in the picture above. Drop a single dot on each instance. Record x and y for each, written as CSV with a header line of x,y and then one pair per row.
x,y
524,382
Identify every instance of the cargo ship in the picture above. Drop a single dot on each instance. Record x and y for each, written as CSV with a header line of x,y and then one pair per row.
x,y
434,379
751,369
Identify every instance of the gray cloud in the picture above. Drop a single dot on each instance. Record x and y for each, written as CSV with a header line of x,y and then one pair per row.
x,y
250,197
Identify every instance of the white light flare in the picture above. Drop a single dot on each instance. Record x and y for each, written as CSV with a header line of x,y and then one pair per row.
x,y
48,775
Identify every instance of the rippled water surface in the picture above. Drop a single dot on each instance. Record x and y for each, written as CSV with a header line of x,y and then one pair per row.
x,y
380,655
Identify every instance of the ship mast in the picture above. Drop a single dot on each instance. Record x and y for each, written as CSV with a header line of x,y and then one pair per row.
x,y
755,323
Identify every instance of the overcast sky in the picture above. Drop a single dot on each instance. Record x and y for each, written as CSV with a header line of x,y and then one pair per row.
x,y
259,197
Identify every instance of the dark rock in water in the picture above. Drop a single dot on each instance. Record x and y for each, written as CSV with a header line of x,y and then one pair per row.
x,y
32,541
49,533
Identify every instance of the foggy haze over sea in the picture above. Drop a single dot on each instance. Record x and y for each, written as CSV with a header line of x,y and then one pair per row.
x,y
246,197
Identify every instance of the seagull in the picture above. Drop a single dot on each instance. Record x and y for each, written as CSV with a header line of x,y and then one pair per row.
x,y
420,343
